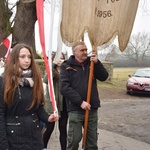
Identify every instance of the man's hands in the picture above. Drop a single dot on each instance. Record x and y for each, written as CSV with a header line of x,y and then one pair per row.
x,y
85,105
94,57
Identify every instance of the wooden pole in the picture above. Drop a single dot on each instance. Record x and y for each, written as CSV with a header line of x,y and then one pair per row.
x,y
88,100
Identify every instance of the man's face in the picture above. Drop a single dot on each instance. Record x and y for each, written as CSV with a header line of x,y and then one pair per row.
x,y
80,53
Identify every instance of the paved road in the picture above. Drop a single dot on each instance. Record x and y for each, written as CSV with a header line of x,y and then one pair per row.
x,y
107,141
128,117
123,125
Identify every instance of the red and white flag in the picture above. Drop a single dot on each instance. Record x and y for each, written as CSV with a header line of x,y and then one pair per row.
x,y
7,42
40,17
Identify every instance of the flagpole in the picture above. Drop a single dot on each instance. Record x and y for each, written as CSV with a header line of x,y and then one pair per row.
x,y
59,39
88,101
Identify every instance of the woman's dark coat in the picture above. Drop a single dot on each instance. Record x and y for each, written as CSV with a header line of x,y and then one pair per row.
x,y
19,126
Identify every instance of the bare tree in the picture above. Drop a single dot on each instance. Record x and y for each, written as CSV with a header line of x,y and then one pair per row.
x,y
24,21
5,14
138,47
5,25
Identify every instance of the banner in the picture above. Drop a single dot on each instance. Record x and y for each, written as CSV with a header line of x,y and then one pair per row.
x,y
102,19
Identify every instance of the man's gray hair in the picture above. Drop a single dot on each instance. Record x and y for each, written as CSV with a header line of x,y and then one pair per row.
x,y
77,43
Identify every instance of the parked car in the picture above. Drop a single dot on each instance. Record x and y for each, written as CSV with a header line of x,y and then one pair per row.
x,y
139,82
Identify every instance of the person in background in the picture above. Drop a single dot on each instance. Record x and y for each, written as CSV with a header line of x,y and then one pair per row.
x,y
2,62
61,105
74,76
22,102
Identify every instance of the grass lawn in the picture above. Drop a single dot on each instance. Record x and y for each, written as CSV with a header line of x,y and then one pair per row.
x,y
120,76
122,73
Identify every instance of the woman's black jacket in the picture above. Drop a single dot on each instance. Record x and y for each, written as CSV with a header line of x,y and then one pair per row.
x,y
19,126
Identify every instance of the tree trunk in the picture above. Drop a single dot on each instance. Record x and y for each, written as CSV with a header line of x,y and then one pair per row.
x,y
23,30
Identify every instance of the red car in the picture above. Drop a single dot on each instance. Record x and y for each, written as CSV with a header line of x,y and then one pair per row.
x,y
139,82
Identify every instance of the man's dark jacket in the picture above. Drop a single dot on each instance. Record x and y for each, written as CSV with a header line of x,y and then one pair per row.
x,y
74,83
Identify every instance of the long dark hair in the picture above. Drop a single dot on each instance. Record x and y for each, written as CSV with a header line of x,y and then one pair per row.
x,y
12,75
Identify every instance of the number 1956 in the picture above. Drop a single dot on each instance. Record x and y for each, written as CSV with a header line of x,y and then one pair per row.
x,y
104,14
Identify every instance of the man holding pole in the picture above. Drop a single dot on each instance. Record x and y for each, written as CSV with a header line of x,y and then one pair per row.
x,y
74,78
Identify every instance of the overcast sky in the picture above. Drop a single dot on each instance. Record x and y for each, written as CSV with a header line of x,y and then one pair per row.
x,y
142,20
141,24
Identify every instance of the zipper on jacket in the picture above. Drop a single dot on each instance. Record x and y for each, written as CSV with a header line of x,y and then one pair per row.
x,y
82,64
19,91
83,67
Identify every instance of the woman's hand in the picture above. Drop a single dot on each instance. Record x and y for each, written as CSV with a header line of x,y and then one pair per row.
x,y
52,118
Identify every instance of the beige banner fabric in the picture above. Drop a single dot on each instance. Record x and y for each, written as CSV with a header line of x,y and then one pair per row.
x,y
102,19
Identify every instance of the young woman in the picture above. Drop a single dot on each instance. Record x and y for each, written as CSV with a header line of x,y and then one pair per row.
x,y
21,102
61,105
